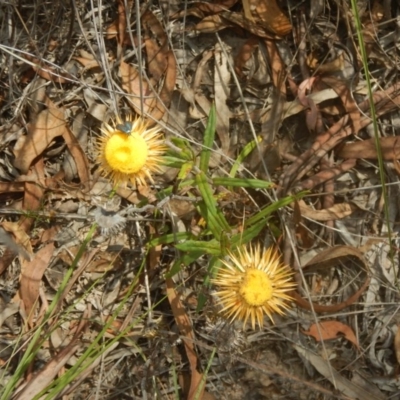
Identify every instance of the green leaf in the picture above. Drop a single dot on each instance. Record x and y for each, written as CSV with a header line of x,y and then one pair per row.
x,y
266,211
243,154
212,247
185,260
170,238
208,142
185,170
213,216
248,234
173,162
242,182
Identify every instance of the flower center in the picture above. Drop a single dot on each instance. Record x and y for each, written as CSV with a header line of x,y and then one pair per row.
x,y
256,288
126,153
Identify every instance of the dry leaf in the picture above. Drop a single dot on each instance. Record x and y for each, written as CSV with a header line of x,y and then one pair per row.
x,y
131,84
346,387
87,60
202,9
47,72
324,259
390,147
49,124
152,105
343,91
33,193
22,240
333,213
268,14
31,278
396,344
312,112
79,157
186,330
327,330
156,45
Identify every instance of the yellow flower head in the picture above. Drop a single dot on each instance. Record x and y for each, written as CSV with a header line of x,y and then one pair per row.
x,y
130,151
252,284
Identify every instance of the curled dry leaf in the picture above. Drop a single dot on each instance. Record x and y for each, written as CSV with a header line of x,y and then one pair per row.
x,y
155,45
312,112
78,155
338,211
244,55
327,330
262,18
325,259
87,60
48,72
22,243
49,124
202,9
268,14
153,104
345,94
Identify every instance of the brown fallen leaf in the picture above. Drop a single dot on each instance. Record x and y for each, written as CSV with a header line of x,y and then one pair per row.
x,y
327,330
121,24
345,94
46,375
33,193
87,60
153,29
396,344
47,72
390,147
156,45
78,156
202,9
302,234
268,14
244,55
131,84
187,334
22,240
31,278
324,259
312,112
148,101
333,213
49,124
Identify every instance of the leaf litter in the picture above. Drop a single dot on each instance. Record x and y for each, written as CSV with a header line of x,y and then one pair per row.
x,y
286,81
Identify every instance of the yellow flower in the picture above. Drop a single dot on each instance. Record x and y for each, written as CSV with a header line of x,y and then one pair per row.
x,y
252,284
130,151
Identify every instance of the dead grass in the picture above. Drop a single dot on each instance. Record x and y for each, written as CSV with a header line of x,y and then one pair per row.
x,y
105,291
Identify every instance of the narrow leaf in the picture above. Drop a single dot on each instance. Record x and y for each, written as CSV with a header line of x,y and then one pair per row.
x,y
242,182
209,135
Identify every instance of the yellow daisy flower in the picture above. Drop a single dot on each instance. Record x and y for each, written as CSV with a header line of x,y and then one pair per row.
x,y
253,283
129,151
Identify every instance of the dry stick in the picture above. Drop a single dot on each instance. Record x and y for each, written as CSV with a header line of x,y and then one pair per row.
x,y
337,132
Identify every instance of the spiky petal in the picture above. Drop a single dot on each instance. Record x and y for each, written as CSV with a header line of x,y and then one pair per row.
x,y
130,151
253,283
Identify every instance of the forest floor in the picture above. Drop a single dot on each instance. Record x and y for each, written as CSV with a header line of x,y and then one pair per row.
x,y
274,126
